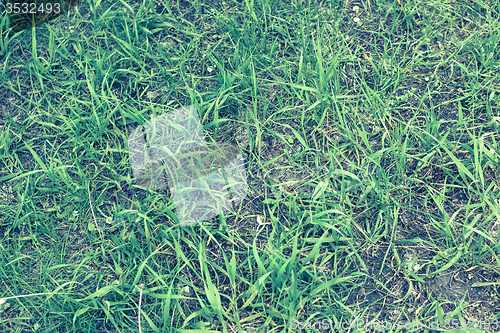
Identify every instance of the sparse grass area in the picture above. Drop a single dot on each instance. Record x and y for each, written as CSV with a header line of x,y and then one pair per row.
x,y
370,132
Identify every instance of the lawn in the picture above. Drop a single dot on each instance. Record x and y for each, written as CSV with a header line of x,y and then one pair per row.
x,y
370,137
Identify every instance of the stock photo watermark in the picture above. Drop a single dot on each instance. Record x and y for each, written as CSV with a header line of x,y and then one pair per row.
x,y
383,326
205,179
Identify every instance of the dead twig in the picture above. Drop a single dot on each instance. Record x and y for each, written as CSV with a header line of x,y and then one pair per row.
x,y
91,208
139,312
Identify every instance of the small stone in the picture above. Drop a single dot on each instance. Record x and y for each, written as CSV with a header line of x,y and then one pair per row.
x,y
356,19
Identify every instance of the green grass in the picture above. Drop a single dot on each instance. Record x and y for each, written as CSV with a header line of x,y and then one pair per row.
x,y
372,157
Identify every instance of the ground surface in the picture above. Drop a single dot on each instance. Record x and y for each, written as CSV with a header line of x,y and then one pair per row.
x,y
370,133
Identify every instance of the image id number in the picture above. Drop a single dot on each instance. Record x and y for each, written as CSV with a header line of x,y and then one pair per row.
x,y
31,8
471,324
